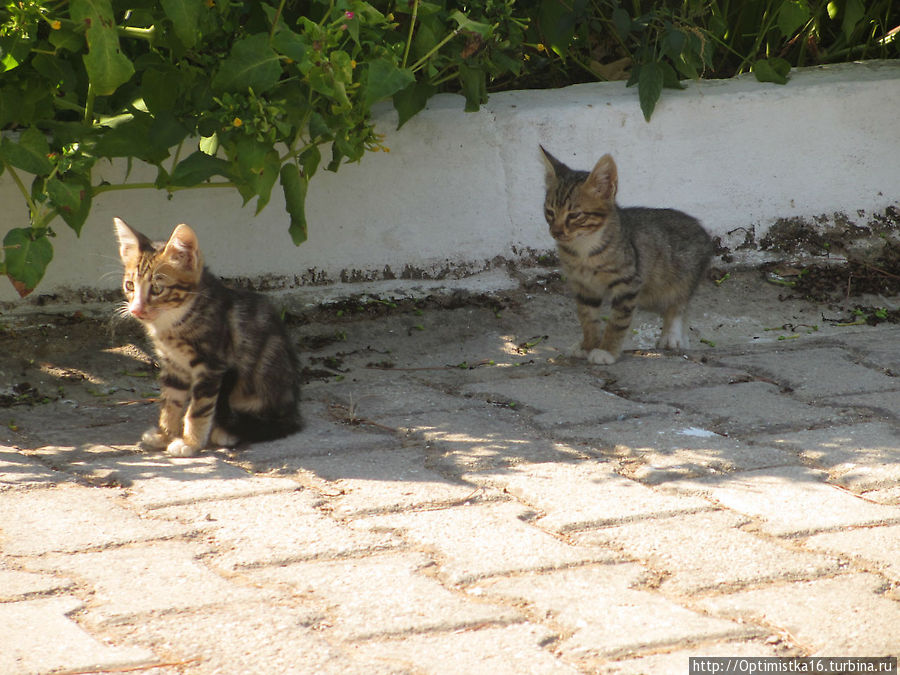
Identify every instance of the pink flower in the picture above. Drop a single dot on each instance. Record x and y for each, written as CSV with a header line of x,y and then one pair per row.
x,y
349,14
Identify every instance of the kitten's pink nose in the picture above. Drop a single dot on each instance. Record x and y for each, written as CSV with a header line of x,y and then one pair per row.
x,y
138,311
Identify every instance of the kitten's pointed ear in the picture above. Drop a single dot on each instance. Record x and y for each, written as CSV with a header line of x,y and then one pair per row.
x,y
604,179
553,165
130,241
182,249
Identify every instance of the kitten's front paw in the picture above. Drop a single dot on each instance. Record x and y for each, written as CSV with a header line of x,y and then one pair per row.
x,y
600,357
154,439
671,341
178,448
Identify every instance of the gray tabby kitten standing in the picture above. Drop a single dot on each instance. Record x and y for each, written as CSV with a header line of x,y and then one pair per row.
x,y
635,257
228,371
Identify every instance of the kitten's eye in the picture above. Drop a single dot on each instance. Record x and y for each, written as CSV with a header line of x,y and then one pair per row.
x,y
129,286
548,214
156,288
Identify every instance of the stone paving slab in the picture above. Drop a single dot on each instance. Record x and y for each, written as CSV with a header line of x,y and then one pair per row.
x,y
877,348
252,638
19,471
641,372
709,551
361,483
874,548
509,650
576,495
154,480
273,529
678,661
879,404
38,637
860,457
790,500
323,433
749,407
19,585
482,540
383,595
605,615
72,518
889,495
464,441
398,397
843,616
661,448
566,398
160,576
811,373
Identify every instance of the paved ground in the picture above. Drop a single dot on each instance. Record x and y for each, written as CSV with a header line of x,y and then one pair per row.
x,y
464,499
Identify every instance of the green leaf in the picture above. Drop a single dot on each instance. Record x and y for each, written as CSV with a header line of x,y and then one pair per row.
x,y
772,70
412,99
184,15
160,89
143,136
622,21
29,154
557,24
72,198
27,257
198,168
295,185
252,64
673,43
474,86
14,49
290,44
385,79
670,77
254,169
465,23
309,160
791,16
106,65
650,85
854,11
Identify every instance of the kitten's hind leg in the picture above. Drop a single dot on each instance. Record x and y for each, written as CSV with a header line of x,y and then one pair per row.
x,y
223,439
154,439
672,336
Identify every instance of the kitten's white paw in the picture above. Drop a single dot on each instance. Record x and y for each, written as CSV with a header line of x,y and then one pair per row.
x,y
154,439
222,438
178,448
671,341
600,357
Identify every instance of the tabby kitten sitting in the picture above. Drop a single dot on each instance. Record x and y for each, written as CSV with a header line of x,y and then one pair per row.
x,y
228,371
635,257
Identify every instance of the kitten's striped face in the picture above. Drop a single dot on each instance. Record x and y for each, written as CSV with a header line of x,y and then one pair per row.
x,y
159,277
577,202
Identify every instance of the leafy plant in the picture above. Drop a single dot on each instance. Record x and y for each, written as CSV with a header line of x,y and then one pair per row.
x,y
655,45
218,94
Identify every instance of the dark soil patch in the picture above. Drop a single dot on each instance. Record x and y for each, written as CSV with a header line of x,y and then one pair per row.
x,y
374,306
838,282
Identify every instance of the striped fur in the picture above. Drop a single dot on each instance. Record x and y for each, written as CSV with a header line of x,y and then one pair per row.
x,y
228,371
633,257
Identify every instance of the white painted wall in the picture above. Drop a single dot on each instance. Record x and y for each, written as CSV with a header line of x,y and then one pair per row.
x,y
458,189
